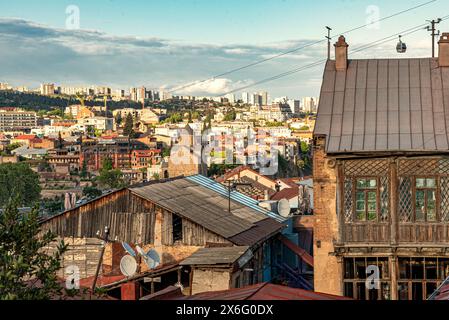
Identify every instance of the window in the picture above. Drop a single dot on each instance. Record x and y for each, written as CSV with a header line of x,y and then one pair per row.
x,y
177,228
419,277
425,199
366,200
355,274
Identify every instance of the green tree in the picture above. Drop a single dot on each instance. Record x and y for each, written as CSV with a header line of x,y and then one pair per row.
x,y
18,178
118,119
84,173
27,272
230,116
128,129
91,192
109,177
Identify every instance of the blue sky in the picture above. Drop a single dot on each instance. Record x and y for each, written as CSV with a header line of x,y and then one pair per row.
x,y
163,43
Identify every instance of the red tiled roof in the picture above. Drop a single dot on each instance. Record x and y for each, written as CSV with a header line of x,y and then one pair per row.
x,y
263,291
236,171
288,194
26,137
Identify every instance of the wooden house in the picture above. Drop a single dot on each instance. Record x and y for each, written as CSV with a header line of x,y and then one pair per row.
x,y
381,176
175,217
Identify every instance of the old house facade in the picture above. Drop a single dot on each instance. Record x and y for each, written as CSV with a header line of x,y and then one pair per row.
x,y
381,176
176,218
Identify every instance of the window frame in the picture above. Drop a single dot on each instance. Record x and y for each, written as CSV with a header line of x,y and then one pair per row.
x,y
355,190
425,190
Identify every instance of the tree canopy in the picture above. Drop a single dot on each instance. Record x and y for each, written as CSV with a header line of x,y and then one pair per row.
x,y
18,178
27,272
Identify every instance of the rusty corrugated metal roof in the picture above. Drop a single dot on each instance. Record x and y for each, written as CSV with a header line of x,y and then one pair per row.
x,y
244,225
390,105
216,255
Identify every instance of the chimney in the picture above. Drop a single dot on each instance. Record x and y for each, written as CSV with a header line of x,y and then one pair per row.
x,y
341,54
443,54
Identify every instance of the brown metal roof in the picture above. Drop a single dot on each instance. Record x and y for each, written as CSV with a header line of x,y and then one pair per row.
x,y
263,291
216,255
243,226
391,105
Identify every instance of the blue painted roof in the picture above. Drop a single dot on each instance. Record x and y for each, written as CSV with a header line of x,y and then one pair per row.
x,y
235,196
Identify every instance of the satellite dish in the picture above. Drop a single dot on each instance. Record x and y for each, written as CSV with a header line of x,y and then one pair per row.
x,y
151,259
284,208
128,249
128,266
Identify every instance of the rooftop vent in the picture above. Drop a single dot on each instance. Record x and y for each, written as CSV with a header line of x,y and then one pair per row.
x,y
443,54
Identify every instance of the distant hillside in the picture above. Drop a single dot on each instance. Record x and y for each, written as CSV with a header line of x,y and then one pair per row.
x,y
36,102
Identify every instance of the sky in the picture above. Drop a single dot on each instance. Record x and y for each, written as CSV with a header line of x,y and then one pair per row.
x,y
164,44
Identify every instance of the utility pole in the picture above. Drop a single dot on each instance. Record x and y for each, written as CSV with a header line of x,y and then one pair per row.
x,y
432,29
105,240
231,186
328,42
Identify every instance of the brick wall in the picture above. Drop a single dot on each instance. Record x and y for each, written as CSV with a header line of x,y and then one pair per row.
x,y
327,270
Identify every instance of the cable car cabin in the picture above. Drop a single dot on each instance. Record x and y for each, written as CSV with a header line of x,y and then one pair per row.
x,y
401,46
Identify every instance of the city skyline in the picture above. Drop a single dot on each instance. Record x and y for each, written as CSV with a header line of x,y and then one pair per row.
x,y
140,51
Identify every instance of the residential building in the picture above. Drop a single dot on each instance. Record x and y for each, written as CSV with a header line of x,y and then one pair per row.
x,y
13,119
381,176
47,89
162,212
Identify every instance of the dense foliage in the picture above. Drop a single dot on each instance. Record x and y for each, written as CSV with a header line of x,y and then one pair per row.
x,y
27,272
19,179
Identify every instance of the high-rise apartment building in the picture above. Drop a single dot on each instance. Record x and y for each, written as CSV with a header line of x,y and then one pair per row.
x,y
13,119
47,89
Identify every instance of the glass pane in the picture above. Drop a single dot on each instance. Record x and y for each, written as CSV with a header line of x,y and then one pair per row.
x,y
361,183
385,291
431,209
420,183
431,269
443,268
417,291
372,183
431,183
430,288
373,294
361,293
360,196
360,268
403,291
419,204
349,289
372,215
349,268
360,206
418,268
404,268
372,195
360,215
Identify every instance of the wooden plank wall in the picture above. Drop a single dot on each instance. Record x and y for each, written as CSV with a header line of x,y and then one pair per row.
x,y
130,219
192,233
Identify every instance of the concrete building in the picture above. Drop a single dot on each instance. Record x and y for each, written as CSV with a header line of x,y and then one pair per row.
x,y
47,89
13,119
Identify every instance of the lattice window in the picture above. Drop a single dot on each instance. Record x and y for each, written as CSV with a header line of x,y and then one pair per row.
x,y
444,199
423,167
405,199
366,168
384,198
348,200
